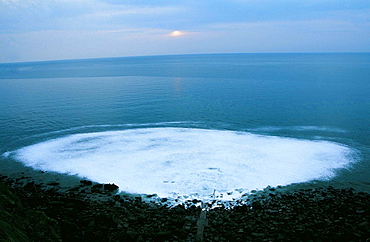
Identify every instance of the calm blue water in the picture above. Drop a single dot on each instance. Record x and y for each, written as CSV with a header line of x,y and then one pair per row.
x,y
302,96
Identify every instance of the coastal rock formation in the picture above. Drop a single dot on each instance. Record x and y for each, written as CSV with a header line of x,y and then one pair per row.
x,y
317,214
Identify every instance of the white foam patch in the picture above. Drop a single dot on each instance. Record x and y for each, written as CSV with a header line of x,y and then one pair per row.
x,y
174,162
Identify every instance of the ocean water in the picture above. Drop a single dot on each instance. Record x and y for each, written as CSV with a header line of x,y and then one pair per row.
x,y
190,125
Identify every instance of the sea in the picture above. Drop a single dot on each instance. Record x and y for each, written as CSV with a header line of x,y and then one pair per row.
x,y
190,126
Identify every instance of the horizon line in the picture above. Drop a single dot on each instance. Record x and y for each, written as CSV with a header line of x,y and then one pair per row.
x,y
169,55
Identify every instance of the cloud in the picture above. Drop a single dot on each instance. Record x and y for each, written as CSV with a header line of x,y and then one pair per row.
x,y
99,28
268,36
73,44
293,36
137,11
30,15
83,15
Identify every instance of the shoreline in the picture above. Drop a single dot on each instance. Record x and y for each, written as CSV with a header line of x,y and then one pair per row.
x,y
324,213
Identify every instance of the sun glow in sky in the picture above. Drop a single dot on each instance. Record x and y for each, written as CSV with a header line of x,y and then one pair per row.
x,y
33,30
176,33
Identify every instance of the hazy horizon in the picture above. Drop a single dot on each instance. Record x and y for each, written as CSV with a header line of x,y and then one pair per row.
x,y
34,30
189,54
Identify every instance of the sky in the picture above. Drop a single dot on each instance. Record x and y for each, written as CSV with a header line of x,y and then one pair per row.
x,y
37,30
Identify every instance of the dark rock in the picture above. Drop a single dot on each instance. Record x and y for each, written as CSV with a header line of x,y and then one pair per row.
x,y
258,235
86,182
151,195
98,188
75,189
364,224
110,187
256,205
326,214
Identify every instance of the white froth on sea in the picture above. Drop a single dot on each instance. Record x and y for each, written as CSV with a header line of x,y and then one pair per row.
x,y
174,162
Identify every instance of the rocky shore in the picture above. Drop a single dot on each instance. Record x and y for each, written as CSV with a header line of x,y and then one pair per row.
x,y
94,212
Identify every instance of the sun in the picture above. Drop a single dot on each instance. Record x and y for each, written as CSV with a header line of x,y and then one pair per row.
x,y
176,33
